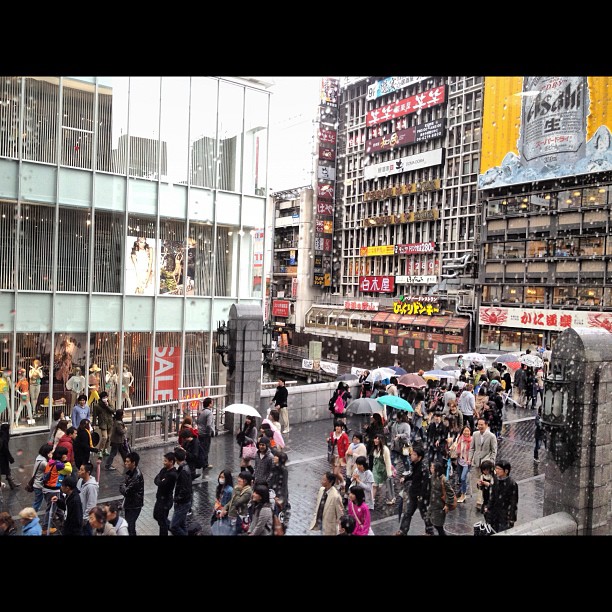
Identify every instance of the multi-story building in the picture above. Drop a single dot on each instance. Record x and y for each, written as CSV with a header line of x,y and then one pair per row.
x,y
290,292
545,185
131,218
406,215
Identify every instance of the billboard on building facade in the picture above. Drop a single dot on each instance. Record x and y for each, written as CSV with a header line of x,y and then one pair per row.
x,y
543,128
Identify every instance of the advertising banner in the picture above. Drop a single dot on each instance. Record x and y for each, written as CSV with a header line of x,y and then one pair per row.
x,y
542,128
391,84
379,284
407,106
541,318
404,164
165,365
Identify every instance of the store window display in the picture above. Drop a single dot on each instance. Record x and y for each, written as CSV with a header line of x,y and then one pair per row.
x,y
22,386
94,384
76,384
36,375
110,384
127,385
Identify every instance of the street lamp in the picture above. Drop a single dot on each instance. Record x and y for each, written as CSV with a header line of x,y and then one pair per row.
x,y
266,342
557,414
222,342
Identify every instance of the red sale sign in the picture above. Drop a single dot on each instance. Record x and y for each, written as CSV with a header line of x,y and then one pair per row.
x,y
166,373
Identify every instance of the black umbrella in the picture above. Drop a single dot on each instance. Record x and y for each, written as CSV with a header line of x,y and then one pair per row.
x,y
348,376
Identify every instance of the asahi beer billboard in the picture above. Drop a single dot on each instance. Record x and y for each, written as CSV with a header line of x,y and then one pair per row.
x,y
542,128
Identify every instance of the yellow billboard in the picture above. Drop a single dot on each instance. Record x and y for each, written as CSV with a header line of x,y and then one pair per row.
x,y
541,128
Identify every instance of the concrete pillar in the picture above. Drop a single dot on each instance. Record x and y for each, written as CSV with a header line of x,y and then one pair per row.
x,y
583,357
244,370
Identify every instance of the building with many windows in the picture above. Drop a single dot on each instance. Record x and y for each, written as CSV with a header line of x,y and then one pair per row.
x,y
131,218
545,186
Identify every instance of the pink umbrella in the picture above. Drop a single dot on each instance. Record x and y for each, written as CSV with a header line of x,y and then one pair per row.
x,y
412,380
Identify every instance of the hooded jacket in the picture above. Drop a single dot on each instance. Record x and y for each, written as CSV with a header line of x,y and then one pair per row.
x,y
89,494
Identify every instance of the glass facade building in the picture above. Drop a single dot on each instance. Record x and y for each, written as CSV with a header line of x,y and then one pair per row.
x,y
129,211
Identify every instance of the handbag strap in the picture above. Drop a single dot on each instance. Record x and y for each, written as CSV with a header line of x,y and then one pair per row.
x,y
36,470
355,515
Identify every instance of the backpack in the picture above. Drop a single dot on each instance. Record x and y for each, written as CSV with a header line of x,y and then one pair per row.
x,y
451,504
339,404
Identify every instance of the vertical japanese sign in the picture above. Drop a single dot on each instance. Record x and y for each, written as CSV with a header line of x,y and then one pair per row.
x,y
326,182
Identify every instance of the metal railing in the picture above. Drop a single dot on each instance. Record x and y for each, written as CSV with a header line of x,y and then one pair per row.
x,y
152,423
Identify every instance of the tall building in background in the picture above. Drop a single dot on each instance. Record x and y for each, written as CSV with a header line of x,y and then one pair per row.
x,y
132,212
545,186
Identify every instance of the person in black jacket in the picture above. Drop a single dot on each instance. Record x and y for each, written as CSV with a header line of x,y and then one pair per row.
x,y
500,511
192,448
279,483
437,438
70,502
279,401
183,494
133,491
417,492
165,482
83,444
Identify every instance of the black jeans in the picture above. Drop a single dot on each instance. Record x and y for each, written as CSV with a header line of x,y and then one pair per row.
x,y
115,448
205,444
411,507
161,510
131,516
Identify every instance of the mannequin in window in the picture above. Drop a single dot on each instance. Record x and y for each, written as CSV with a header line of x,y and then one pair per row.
x,y
76,385
6,387
94,384
142,259
110,384
127,380
23,393
36,375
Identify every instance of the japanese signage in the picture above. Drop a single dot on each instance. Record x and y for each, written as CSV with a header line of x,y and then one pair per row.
x,y
391,84
327,153
326,173
539,318
378,284
418,102
325,191
280,308
329,367
353,305
418,247
404,164
416,280
389,192
329,91
326,177
387,249
415,133
411,217
543,128
415,308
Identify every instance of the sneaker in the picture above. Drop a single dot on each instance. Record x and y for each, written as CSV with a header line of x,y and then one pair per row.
x,y
406,473
286,430
461,499
209,466
391,502
111,468
536,460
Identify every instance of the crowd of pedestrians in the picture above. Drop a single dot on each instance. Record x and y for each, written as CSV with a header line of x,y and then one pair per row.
x,y
405,460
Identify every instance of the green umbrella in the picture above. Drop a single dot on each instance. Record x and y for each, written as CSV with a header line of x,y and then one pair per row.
x,y
395,401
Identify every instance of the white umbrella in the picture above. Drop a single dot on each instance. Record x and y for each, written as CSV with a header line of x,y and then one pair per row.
x,y
380,374
533,361
242,409
474,358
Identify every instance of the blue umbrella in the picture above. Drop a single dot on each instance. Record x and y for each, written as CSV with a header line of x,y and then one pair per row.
x,y
395,401
398,370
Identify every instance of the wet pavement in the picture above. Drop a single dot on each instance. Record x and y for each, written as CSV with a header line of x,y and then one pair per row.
x,y
307,451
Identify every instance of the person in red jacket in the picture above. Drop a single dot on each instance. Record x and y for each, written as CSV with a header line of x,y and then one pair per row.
x,y
338,442
67,441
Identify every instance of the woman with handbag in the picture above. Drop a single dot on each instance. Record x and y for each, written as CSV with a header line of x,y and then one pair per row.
x,y
223,493
236,509
247,440
400,440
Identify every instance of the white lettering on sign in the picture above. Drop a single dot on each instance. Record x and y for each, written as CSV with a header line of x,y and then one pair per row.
x,y
165,373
